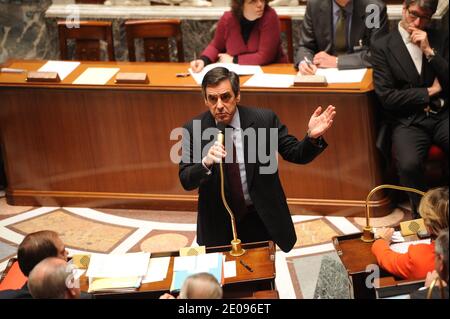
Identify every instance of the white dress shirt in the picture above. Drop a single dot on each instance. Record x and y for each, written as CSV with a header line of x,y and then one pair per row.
x,y
414,50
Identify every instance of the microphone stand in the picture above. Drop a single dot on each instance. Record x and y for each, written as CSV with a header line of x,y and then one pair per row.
x,y
368,235
236,247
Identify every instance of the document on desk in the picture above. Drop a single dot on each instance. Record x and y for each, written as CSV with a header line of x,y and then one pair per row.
x,y
120,265
96,76
402,248
333,75
184,266
270,80
63,68
236,68
157,269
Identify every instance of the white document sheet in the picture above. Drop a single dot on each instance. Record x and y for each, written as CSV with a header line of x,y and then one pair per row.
x,y
333,75
123,265
271,80
229,269
237,68
157,269
402,248
96,76
63,68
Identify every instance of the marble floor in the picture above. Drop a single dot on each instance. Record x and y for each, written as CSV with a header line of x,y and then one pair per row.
x,y
121,231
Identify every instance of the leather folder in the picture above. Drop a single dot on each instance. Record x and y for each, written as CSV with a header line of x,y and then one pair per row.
x,y
36,76
132,78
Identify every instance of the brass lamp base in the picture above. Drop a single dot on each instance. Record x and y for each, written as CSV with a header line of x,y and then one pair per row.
x,y
368,236
236,248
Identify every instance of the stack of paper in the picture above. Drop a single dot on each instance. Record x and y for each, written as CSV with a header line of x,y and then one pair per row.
x,y
63,68
117,272
184,266
236,68
333,75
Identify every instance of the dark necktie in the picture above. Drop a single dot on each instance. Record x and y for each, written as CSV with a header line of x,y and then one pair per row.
x,y
340,37
233,175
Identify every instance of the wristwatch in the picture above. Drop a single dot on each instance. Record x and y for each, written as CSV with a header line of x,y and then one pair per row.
x,y
430,56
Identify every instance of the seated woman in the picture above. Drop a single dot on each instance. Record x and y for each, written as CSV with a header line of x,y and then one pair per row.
x,y
248,34
419,260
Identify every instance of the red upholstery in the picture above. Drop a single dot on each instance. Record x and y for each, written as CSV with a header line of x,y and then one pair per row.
x,y
12,277
435,153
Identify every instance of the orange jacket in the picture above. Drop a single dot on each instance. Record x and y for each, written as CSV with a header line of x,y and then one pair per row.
x,y
415,264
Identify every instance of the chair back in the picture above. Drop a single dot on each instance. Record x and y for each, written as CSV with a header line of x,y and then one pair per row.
x,y
286,28
87,40
156,36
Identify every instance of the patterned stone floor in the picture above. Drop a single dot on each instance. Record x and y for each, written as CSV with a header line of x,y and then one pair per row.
x,y
120,231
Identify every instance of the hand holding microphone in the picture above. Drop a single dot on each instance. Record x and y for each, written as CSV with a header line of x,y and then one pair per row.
x,y
217,151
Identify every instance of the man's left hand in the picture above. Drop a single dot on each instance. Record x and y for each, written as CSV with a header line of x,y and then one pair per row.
x,y
225,58
420,38
319,123
324,60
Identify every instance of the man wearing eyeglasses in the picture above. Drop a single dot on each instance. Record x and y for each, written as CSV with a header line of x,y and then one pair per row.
x,y
254,194
411,79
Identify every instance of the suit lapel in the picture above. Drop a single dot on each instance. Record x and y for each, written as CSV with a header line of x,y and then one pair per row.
x,y
400,53
326,18
357,25
247,121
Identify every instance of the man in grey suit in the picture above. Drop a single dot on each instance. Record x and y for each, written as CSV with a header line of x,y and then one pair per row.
x,y
339,33
252,188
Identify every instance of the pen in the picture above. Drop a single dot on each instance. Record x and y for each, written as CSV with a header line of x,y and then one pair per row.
x,y
308,61
11,70
246,266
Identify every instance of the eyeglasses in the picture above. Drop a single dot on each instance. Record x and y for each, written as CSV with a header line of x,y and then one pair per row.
x,y
224,97
416,16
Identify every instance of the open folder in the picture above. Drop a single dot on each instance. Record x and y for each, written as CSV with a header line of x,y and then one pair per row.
x,y
184,266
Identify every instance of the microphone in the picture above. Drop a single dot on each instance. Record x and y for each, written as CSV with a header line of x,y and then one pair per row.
x,y
236,247
221,134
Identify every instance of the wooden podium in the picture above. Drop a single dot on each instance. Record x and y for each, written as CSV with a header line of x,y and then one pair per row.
x,y
260,283
356,255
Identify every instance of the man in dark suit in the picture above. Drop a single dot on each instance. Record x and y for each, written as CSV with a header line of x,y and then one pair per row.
x,y
252,185
411,79
34,248
339,33
441,271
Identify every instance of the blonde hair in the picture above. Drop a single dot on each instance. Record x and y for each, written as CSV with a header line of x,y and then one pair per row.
x,y
201,286
433,209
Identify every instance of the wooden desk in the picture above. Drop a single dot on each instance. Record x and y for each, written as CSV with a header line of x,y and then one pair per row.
x,y
356,255
109,146
252,285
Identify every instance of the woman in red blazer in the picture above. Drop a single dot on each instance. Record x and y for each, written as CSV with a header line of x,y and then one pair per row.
x,y
248,34
419,260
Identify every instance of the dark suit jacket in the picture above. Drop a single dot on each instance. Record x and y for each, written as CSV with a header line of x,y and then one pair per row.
x,y
266,192
402,91
22,293
316,33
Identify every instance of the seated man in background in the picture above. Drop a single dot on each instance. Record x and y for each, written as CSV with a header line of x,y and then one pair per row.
x,y
53,278
339,34
420,258
441,270
410,72
199,286
34,248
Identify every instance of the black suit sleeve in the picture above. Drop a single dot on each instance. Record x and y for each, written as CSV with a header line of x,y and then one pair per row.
x,y
393,98
191,171
362,58
293,150
307,45
440,65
